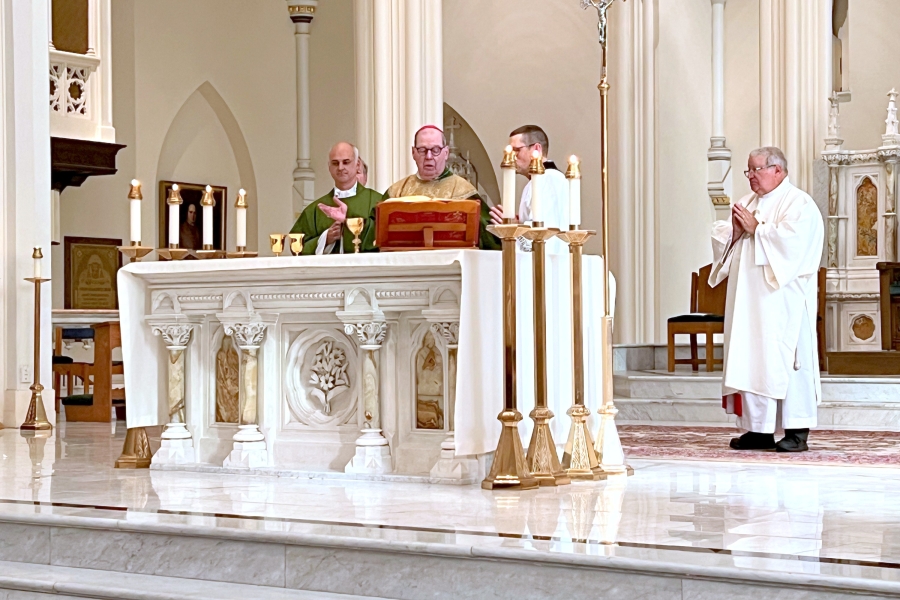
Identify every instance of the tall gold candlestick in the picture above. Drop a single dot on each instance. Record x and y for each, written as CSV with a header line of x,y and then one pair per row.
x,y
36,417
542,460
579,458
509,469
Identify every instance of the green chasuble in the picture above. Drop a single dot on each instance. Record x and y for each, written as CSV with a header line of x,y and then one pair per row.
x,y
313,222
450,187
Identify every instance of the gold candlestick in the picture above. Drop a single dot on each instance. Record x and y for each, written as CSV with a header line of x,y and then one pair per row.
x,y
36,417
241,252
542,460
509,469
355,225
135,252
579,458
136,451
276,240
296,243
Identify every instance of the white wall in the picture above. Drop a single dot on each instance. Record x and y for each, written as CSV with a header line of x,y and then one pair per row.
x,y
874,49
742,126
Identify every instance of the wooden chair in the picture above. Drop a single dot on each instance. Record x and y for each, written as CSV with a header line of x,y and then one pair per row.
x,y
707,316
97,407
820,322
65,366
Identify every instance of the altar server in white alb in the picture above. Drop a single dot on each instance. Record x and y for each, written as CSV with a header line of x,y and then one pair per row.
x,y
770,252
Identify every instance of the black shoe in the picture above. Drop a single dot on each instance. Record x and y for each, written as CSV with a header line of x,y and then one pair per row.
x,y
794,441
754,441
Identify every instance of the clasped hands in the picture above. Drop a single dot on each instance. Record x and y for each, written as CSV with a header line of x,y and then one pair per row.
x,y
742,221
339,215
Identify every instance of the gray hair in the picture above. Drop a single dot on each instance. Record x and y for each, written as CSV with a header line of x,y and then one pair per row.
x,y
773,156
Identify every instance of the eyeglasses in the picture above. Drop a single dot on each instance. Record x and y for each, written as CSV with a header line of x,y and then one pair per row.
x,y
755,171
429,151
518,149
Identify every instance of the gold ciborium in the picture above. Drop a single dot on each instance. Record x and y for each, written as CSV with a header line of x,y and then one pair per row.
x,y
296,243
355,225
277,242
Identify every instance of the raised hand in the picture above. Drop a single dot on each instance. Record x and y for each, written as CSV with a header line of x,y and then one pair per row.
x,y
337,213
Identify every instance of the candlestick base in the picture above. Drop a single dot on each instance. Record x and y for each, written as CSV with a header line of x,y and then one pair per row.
x,y
538,233
136,452
173,253
579,458
576,237
241,254
37,279
135,252
36,417
509,470
207,254
542,459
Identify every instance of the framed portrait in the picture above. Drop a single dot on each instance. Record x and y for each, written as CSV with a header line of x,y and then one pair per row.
x,y
190,227
91,265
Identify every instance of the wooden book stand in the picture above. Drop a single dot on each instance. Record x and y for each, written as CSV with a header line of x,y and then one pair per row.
x,y
422,223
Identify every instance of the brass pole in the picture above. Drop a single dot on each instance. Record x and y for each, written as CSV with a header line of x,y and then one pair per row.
x,y
542,459
509,469
36,417
579,458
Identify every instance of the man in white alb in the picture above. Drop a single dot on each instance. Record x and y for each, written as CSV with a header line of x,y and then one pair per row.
x,y
554,193
770,252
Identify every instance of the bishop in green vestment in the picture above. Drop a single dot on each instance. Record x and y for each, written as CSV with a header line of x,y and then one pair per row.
x,y
435,180
322,223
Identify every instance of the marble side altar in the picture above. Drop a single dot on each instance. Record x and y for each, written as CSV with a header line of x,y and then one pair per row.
x,y
370,365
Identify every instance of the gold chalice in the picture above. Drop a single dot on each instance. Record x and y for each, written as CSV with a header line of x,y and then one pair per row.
x,y
355,225
277,242
296,243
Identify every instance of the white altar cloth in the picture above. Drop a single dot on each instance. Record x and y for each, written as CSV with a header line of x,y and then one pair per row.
x,y
479,388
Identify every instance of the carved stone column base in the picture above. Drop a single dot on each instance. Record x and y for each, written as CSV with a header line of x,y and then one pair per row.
x,y
373,454
177,447
608,445
249,433
136,451
451,466
247,455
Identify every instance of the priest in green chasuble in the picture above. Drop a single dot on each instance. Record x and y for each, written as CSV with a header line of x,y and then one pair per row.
x,y
435,180
322,222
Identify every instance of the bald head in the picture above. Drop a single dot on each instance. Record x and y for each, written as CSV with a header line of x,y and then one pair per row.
x,y
343,164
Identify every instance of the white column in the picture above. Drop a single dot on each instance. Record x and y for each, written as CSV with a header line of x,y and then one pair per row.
x,y
104,71
25,186
176,447
649,260
302,13
363,11
383,161
767,73
718,156
93,21
434,61
249,450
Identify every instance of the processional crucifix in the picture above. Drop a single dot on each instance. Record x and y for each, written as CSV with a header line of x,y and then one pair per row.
x,y
607,444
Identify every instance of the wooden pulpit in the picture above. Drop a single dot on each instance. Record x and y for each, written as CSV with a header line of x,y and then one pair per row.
x,y
422,223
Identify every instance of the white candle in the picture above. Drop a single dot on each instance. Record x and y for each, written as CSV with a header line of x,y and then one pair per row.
x,y
509,183
37,256
573,173
536,170
207,203
241,219
135,196
174,210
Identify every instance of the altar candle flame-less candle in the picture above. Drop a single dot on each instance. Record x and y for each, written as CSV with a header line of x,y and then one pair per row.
x,y
37,256
174,201
135,197
508,167
207,202
536,170
573,174
241,220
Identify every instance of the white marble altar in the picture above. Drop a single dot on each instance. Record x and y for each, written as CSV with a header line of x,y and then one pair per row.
x,y
368,364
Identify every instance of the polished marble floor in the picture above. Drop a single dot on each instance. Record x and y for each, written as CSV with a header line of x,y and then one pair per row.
x,y
803,519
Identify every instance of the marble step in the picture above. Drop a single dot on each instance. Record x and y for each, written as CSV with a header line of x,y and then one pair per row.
x,y
171,556
27,581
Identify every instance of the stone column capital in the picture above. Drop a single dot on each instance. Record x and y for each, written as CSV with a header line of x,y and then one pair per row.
x,y
302,11
447,333
247,336
175,334
369,335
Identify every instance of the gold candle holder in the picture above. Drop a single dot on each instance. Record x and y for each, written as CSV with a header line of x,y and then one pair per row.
x,y
542,460
136,452
276,241
355,225
509,469
296,243
36,417
241,252
579,458
135,252
173,252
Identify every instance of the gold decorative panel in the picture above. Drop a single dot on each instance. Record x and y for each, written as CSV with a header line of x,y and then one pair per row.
x,y
867,218
863,328
227,381
429,385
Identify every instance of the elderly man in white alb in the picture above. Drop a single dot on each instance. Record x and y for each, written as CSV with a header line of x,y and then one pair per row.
x,y
770,252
